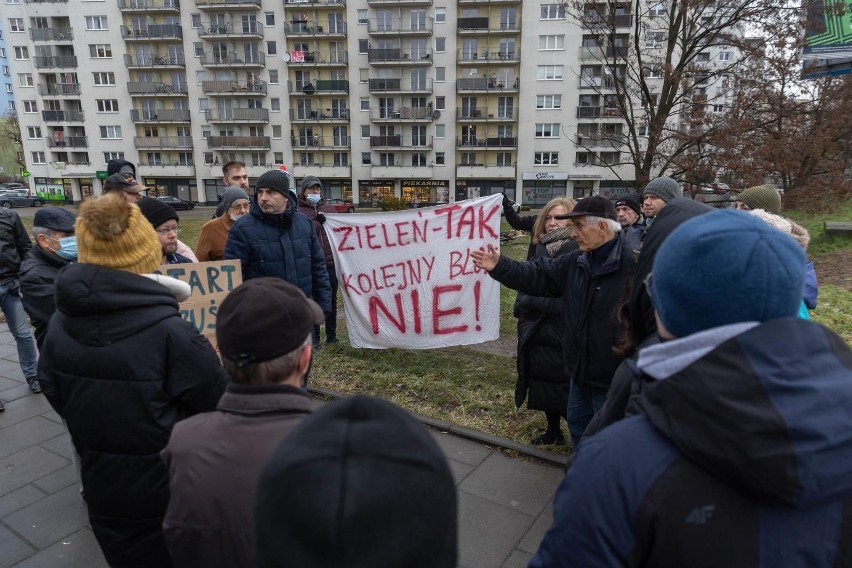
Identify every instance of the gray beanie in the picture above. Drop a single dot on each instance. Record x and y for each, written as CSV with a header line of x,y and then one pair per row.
x,y
231,194
276,180
308,181
663,187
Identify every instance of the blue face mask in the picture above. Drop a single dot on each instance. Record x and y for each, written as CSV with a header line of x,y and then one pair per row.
x,y
67,248
313,198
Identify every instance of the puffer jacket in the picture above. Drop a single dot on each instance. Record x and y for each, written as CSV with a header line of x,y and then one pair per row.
x,y
38,284
312,211
282,245
121,367
14,244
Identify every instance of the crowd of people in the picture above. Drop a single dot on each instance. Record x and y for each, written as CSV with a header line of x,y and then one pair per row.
x,y
672,338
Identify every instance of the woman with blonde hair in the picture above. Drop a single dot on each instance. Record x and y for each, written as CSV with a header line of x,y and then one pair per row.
x,y
542,380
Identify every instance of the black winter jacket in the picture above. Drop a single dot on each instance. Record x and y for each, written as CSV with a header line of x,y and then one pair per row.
x,y
14,245
121,367
38,284
589,302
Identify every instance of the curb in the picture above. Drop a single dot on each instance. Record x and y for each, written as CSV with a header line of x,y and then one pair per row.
x,y
474,435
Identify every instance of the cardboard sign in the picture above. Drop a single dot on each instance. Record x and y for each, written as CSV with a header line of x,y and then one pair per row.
x,y
407,277
210,283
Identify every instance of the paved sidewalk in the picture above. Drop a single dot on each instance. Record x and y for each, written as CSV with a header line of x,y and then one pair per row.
x,y
504,503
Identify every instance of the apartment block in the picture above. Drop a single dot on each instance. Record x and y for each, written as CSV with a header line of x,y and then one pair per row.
x,y
431,102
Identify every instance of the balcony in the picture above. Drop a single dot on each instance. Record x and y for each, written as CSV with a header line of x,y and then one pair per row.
x,y
400,86
485,170
212,30
482,25
67,141
395,56
319,58
238,142
59,89
154,61
51,34
484,3
234,115
497,142
56,61
485,114
322,169
489,56
597,82
399,2
321,115
153,32
233,60
229,5
164,142
333,86
614,140
150,6
397,26
588,112
399,142
404,113
233,88
170,168
46,1
159,115
597,21
141,88
487,85
306,27
399,169
321,143
314,4
62,115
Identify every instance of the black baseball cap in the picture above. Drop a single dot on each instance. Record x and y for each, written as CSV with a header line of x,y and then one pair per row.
x,y
55,219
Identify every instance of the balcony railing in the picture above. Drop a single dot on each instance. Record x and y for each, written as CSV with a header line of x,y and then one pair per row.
x,y
160,115
319,86
140,88
330,114
59,89
398,85
300,3
237,115
212,29
67,141
393,54
400,141
319,58
487,84
588,111
306,27
51,34
227,4
68,61
483,24
163,141
153,31
489,55
399,2
320,142
233,87
149,5
401,113
233,59
153,60
46,1
488,142
399,25
484,113
239,142
62,115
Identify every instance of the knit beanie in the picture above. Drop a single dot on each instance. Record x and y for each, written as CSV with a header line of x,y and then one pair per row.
x,y
232,193
308,181
360,484
156,211
725,250
663,187
762,197
275,180
629,200
113,233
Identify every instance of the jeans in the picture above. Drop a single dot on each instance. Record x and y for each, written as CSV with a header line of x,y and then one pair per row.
x,y
583,403
16,318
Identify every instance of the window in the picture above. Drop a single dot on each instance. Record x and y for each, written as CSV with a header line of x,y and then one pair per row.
x,y
657,10
610,158
275,104
549,73
547,130
30,106
273,76
6,70
107,105
440,15
703,57
96,23
655,39
196,20
198,48
271,48
440,103
551,42
113,156
184,158
363,75
652,73
440,74
440,44
365,131
258,159
552,12
365,104
110,132
362,17
104,79
21,52
365,159
584,158
725,56
2,52
718,108
269,18
440,160
278,157
16,24
33,132
546,158
9,90
440,131
100,50
341,159
38,158
276,131
548,101
11,103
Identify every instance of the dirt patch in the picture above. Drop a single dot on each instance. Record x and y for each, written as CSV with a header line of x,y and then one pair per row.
x,y
835,268
505,346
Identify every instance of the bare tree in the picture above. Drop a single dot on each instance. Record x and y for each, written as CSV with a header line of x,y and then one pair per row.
x,y
657,74
11,139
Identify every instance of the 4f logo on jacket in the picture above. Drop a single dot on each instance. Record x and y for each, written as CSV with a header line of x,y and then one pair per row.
x,y
700,515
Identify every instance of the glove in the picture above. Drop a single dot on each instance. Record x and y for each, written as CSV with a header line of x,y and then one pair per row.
x,y
320,218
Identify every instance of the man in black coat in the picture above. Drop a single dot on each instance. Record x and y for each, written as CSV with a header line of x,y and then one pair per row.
x,y
56,246
590,282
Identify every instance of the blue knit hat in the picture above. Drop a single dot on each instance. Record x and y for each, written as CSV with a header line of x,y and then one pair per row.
x,y
726,267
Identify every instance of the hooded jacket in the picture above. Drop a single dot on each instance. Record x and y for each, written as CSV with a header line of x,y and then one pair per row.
x,y
14,245
38,284
284,245
121,367
741,457
313,213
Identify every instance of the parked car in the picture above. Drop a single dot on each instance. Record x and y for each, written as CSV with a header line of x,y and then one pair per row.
x,y
177,203
16,199
341,206
12,185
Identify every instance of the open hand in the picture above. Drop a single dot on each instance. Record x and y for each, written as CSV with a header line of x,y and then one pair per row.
x,y
486,259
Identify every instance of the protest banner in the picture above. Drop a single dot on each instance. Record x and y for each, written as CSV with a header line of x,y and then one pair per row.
x,y
407,277
210,283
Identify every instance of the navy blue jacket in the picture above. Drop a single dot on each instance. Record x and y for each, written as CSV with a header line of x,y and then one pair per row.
x,y
739,457
285,246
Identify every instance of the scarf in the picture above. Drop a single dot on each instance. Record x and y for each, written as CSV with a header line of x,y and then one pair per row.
x,y
555,240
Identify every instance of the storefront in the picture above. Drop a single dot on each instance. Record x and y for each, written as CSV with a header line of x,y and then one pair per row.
x,y
54,189
541,187
471,188
425,192
613,189
371,190
337,189
183,188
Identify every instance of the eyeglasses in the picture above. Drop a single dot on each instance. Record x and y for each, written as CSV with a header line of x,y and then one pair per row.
x,y
167,230
239,206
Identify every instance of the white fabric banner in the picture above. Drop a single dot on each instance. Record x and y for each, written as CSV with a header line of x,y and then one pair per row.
x,y
407,277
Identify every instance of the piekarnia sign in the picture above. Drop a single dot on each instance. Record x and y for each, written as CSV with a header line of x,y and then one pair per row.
x,y
407,277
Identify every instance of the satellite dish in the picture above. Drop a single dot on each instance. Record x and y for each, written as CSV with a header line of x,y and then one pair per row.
x,y
286,57
436,114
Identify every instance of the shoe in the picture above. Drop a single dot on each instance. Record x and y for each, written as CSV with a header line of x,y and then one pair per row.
x,y
34,386
331,340
549,439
